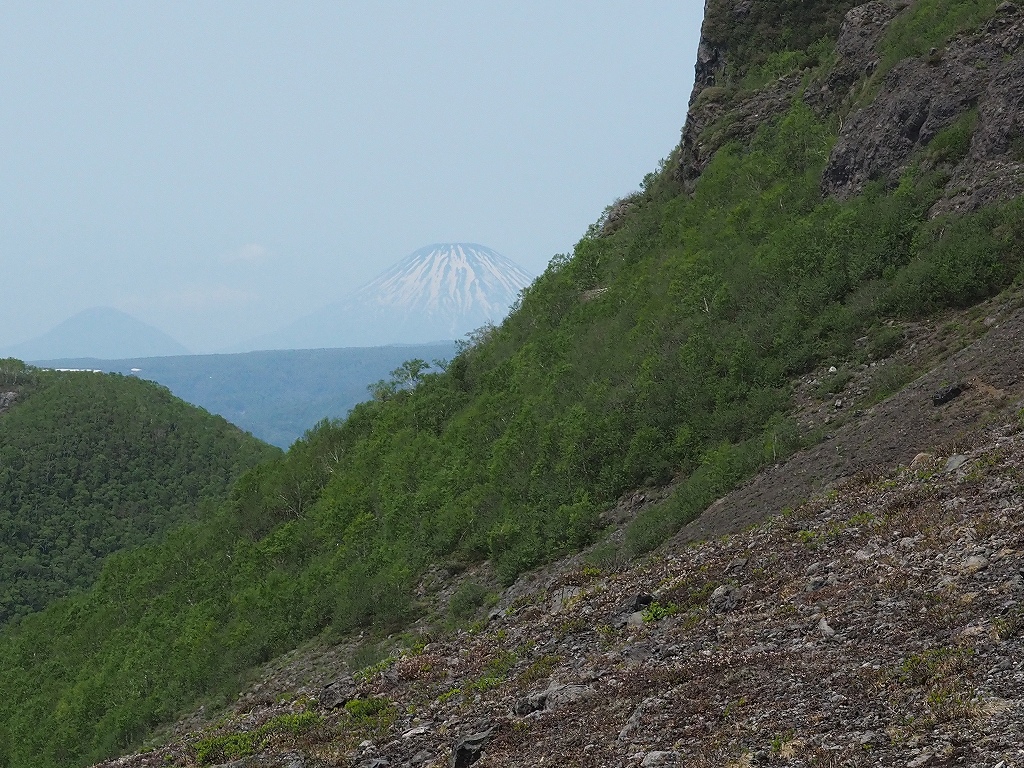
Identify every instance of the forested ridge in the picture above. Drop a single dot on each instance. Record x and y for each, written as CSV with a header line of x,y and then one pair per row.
x,y
662,348
92,464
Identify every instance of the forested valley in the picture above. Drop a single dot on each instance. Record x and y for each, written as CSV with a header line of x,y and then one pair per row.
x,y
92,464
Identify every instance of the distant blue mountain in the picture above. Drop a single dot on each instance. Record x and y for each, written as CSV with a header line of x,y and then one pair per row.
x,y
277,395
100,332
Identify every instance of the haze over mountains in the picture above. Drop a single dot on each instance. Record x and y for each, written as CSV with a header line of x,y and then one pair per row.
x,y
441,291
438,293
315,368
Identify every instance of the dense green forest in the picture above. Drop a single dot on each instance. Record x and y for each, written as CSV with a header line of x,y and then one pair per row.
x,y
92,464
662,351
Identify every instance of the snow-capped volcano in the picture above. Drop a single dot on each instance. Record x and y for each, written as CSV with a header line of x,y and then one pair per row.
x,y
442,291
450,282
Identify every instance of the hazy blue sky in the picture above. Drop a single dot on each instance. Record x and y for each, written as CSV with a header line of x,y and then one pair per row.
x,y
219,168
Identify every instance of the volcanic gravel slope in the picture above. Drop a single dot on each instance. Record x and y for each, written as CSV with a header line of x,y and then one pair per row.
x,y
879,624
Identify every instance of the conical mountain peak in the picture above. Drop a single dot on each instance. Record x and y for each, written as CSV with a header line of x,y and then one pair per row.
x,y
100,332
441,291
449,278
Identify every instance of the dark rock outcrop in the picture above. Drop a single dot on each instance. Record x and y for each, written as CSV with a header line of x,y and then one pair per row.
x,y
716,118
616,215
338,693
862,30
7,400
920,97
556,696
994,169
915,101
721,110
947,394
469,749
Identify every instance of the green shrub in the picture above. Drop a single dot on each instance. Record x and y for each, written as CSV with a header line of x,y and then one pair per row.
x,y
656,611
219,749
834,384
494,673
884,341
960,261
952,144
931,24
540,669
931,665
370,660
605,557
467,599
365,709
781,63
890,379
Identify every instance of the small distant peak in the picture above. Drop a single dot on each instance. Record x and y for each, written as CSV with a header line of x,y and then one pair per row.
x,y
99,332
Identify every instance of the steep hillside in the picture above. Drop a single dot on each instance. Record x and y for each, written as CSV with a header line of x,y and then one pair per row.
x,y
92,464
680,346
879,624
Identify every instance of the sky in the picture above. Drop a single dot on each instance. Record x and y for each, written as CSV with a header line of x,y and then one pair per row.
x,y
218,169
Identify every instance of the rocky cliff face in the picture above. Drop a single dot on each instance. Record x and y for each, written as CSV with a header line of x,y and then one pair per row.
x,y
723,107
978,77
982,72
